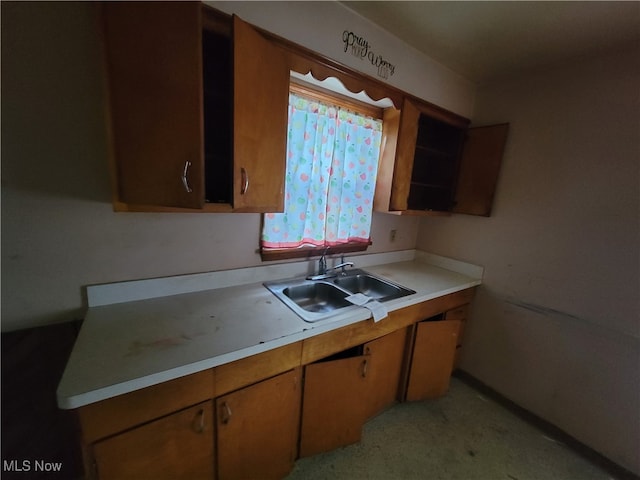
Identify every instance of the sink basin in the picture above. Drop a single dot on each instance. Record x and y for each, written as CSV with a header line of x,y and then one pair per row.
x,y
312,300
317,297
315,300
371,286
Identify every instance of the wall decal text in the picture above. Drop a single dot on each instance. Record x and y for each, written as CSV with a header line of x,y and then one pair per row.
x,y
359,47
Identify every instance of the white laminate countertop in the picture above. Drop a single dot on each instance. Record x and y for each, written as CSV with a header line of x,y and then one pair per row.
x,y
138,334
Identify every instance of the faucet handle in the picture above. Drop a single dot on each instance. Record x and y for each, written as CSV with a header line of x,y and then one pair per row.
x,y
322,264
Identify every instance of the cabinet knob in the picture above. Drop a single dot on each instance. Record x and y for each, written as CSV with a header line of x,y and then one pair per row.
x,y
365,365
185,181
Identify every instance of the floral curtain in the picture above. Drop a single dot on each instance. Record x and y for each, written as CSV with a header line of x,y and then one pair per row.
x,y
332,163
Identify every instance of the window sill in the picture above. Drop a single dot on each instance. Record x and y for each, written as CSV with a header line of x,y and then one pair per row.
x,y
272,254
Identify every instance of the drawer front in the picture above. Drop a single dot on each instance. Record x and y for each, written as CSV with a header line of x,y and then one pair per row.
x,y
253,369
326,344
116,414
458,313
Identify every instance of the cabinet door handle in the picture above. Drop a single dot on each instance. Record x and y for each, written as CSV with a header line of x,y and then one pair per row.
x,y
199,421
245,181
226,413
185,181
365,365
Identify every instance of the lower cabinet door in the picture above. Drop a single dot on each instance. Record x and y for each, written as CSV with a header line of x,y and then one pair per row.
x,y
432,359
334,404
257,429
178,446
385,374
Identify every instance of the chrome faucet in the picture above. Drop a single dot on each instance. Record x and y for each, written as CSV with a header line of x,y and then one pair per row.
x,y
340,265
323,271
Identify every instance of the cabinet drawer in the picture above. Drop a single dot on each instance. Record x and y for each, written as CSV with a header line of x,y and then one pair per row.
x,y
459,313
329,343
255,368
116,414
326,344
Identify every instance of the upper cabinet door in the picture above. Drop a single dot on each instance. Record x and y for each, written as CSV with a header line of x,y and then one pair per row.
x,y
260,99
405,151
433,164
479,168
154,63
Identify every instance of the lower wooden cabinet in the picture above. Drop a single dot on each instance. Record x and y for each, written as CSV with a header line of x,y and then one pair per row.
x,y
343,391
385,374
257,429
334,409
461,313
178,446
434,351
251,419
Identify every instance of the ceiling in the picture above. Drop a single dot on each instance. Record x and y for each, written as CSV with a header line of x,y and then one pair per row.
x,y
483,40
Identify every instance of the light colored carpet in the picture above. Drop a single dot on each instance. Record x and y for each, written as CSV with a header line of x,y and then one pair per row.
x,y
462,436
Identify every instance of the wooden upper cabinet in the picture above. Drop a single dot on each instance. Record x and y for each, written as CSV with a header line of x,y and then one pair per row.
x,y
405,150
432,163
479,169
153,54
197,109
260,99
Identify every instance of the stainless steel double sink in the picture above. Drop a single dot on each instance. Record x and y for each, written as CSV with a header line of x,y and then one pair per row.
x,y
315,300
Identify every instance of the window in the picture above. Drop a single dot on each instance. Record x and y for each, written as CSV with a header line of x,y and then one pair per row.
x,y
331,169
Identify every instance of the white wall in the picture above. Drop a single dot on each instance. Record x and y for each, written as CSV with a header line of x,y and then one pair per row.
x,y
59,232
319,25
556,324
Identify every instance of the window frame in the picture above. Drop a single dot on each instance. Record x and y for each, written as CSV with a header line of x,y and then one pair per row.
x,y
316,93
310,251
